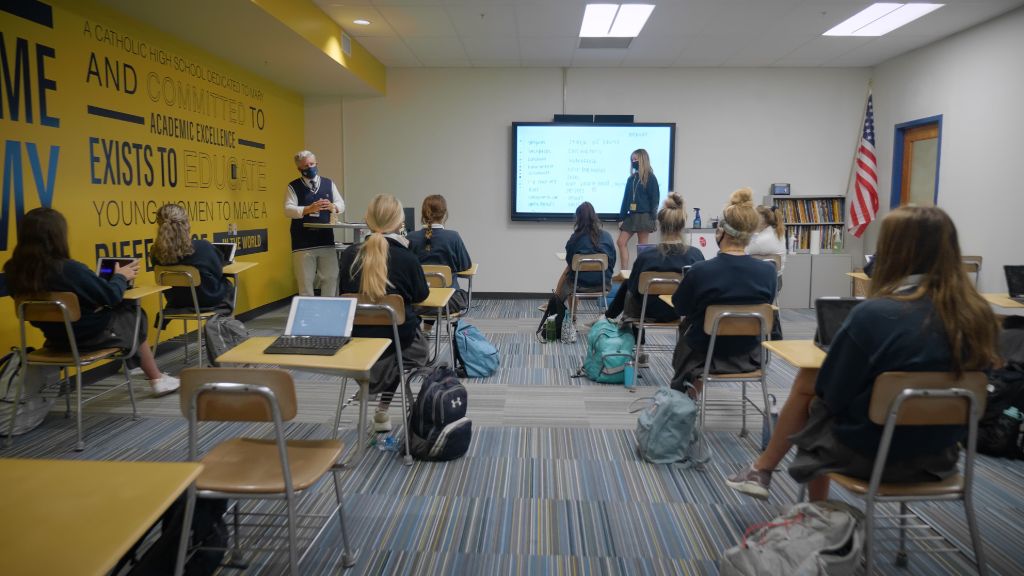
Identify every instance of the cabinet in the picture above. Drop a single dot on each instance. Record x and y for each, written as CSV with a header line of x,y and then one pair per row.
x,y
817,220
808,277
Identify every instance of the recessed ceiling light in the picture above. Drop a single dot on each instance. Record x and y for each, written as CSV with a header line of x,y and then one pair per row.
x,y
881,18
614,21
361,22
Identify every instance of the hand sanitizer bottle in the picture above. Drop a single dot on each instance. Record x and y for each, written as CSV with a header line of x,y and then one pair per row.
x,y
792,243
696,217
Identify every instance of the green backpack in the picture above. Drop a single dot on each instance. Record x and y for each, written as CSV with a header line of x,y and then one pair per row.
x,y
609,348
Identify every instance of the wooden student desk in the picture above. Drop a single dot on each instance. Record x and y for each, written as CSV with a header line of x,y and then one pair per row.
x,y
232,271
1001,299
80,516
438,299
354,360
469,273
802,354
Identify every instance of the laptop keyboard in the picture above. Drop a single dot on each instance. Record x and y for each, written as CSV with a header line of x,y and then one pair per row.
x,y
317,345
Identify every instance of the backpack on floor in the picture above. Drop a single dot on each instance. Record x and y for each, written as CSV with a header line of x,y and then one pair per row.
x,y
554,315
609,349
32,405
666,431
438,426
475,356
810,539
222,333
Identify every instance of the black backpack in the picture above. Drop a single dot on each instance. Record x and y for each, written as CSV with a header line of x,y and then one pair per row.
x,y
556,308
438,426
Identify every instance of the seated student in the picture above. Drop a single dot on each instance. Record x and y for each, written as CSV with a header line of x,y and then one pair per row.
x,y
671,255
174,245
732,277
922,314
587,238
770,239
383,264
433,244
41,262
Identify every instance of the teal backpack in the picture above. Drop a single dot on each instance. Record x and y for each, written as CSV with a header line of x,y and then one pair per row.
x,y
609,348
666,430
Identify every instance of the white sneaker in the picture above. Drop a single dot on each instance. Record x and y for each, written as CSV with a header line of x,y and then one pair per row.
x,y
381,421
165,385
137,371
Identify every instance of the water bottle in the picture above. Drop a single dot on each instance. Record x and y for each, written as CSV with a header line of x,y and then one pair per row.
x,y
696,217
792,243
389,444
550,329
630,374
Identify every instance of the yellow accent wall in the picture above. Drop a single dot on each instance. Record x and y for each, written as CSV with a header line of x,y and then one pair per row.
x,y
106,119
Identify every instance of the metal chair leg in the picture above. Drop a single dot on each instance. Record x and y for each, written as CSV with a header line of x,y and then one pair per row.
x,y
131,391
348,557
337,414
972,527
186,525
743,409
80,445
869,535
901,554
293,544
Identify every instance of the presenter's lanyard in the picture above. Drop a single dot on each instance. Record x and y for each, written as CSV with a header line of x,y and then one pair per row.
x,y
636,182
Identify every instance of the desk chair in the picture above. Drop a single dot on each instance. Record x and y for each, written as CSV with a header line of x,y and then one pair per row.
x,y
181,276
63,307
248,468
972,265
389,311
588,263
738,320
440,276
920,399
653,284
775,259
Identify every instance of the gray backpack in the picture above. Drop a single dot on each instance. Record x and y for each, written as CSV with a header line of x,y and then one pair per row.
x,y
223,333
809,539
666,430
32,407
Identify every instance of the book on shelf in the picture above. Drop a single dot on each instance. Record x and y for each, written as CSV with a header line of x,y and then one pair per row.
x,y
819,216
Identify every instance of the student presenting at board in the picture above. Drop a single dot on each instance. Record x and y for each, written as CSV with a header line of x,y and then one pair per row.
x,y
639,204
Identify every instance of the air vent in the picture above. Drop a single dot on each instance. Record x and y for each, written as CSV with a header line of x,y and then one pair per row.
x,y
346,44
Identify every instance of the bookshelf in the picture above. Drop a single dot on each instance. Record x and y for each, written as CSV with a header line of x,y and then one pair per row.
x,y
823,217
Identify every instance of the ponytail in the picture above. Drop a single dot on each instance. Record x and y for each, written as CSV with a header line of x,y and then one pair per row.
x,y
433,211
372,260
428,234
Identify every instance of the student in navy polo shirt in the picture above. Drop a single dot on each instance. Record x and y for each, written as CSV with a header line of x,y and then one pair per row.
x,y
587,238
312,198
922,314
435,244
174,245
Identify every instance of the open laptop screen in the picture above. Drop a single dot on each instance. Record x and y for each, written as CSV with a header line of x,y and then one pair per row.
x,y
227,251
105,266
1014,280
316,316
831,313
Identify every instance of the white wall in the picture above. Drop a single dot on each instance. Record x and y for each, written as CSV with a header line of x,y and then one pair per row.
x,y
975,80
447,131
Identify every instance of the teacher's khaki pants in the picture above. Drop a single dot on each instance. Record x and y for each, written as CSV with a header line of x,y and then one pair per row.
x,y
313,263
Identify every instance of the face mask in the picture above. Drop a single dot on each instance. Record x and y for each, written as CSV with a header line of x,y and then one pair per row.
x,y
636,165
309,172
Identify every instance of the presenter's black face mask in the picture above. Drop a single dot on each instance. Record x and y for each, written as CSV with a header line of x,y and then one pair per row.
x,y
636,165
309,172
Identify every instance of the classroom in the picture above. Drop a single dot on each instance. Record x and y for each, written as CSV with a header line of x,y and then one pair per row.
x,y
147,141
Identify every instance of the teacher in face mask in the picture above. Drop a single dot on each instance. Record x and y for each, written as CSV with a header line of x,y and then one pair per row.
x,y
639,209
313,198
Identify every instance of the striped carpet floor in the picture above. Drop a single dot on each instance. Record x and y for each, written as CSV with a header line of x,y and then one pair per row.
x,y
551,484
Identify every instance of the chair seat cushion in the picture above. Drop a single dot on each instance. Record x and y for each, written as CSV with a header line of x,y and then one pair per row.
x,y
951,485
253,466
51,356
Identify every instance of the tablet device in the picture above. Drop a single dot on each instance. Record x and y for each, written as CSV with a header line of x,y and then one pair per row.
x,y
227,251
831,312
105,266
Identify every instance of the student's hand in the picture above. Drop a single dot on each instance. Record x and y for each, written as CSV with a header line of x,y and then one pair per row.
x,y
129,272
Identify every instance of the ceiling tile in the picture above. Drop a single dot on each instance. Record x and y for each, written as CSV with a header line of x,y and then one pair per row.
x,y
547,48
491,47
553,18
485,63
411,21
598,57
766,49
707,50
679,18
821,50
344,15
389,51
650,51
483,20
445,48
879,50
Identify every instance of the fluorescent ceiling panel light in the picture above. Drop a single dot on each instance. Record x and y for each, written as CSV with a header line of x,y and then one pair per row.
x,y
880,18
597,20
893,20
361,22
630,20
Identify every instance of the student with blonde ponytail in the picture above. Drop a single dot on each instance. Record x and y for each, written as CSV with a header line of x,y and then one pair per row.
x,y
770,239
383,264
732,277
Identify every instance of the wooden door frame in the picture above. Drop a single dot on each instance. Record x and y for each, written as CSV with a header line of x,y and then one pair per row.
x,y
897,157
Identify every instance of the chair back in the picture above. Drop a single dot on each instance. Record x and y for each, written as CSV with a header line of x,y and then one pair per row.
x,y
590,262
375,313
971,264
48,307
438,275
924,410
238,394
773,258
738,319
178,276
658,283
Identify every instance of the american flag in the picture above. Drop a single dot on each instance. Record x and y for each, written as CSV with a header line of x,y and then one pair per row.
x,y
865,184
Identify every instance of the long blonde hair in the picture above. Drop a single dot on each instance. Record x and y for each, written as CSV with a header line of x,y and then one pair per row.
x,y
739,218
923,240
173,236
771,217
382,217
644,171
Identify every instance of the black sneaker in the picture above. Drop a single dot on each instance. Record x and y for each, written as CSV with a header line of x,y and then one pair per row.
x,y
751,482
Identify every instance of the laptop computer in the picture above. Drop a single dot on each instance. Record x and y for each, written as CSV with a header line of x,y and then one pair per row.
x,y
105,267
1015,282
316,326
831,312
227,251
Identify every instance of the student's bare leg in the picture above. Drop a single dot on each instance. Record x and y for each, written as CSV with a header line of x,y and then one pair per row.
x,y
641,237
560,285
817,489
148,362
623,243
792,419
